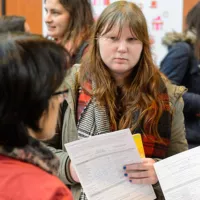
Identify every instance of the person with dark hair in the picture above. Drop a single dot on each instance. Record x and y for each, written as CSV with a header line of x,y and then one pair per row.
x,y
70,22
31,72
181,66
13,23
117,86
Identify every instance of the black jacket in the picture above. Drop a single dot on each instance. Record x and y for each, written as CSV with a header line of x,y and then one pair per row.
x,y
182,68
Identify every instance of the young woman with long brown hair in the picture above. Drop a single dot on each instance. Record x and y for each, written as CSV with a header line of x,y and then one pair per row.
x,y
118,86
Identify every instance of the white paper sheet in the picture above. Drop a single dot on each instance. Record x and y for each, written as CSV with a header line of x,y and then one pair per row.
x,y
179,175
99,162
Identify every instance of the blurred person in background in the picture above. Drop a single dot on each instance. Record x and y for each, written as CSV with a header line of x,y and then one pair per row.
x,y
69,22
31,71
182,66
13,23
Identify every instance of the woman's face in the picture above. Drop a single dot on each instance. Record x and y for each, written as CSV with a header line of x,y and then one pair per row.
x,y
120,53
49,118
56,19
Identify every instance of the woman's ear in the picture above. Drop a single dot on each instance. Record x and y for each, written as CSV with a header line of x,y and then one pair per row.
x,y
43,119
61,98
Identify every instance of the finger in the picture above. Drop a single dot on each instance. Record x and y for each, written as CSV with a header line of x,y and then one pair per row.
x,y
138,174
148,160
136,166
149,180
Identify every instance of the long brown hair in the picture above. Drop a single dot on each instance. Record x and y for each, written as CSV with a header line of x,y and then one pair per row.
x,y
141,90
80,23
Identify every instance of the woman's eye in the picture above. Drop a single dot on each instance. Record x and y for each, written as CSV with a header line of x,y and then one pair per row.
x,y
55,13
132,39
113,38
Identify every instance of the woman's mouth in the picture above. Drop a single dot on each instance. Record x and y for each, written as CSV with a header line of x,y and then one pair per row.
x,y
120,60
50,28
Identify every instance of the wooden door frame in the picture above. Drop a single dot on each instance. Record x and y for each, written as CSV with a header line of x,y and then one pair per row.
x,y
3,7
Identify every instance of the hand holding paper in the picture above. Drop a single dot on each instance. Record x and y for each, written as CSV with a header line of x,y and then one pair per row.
x,y
99,162
142,173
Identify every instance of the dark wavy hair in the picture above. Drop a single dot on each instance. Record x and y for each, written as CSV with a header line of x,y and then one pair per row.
x,y
31,70
12,23
141,89
193,24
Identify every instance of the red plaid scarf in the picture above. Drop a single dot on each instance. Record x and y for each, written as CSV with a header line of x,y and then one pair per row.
x,y
152,147
83,100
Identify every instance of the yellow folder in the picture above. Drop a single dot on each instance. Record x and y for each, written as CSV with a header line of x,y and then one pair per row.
x,y
138,141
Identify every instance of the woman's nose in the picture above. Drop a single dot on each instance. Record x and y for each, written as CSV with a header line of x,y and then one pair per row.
x,y
48,18
122,46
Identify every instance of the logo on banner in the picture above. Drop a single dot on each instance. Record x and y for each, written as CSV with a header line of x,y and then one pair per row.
x,y
157,23
153,4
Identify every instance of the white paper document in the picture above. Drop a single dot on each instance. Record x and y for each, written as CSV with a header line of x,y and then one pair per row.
x,y
99,161
179,175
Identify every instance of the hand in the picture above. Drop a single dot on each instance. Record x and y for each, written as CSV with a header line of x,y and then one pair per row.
x,y
73,173
142,173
